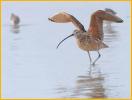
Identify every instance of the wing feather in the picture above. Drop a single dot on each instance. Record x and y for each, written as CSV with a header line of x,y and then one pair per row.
x,y
63,17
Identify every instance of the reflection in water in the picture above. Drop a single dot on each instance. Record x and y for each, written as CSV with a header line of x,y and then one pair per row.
x,y
15,45
16,42
110,34
90,85
109,27
15,29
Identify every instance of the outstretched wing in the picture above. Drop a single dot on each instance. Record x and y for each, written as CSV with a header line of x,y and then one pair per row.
x,y
63,17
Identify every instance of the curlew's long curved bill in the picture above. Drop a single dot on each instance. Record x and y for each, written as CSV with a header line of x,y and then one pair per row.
x,y
63,17
64,40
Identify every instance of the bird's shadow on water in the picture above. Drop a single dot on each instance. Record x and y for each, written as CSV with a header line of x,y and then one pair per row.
x,y
89,85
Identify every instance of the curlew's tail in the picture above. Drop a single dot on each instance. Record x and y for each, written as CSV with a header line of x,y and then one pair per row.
x,y
97,46
91,45
103,45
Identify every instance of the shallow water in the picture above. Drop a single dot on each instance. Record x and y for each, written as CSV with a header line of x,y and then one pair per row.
x,y
32,67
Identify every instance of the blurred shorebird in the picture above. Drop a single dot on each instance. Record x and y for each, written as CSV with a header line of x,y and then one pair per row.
x,y
15,20
110,11
91,40
108,23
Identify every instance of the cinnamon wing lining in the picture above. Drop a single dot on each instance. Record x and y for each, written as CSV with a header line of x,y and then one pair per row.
x,y
63,17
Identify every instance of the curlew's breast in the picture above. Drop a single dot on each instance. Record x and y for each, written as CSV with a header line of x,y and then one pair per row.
x,y
88,43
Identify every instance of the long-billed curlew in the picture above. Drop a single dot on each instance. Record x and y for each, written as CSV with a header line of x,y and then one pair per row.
x,y
15,20
91,40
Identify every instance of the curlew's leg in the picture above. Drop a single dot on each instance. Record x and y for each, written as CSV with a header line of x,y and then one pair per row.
x,y
99,55
89,57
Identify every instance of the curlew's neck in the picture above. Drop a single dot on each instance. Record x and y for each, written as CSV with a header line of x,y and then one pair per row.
x,y
96,27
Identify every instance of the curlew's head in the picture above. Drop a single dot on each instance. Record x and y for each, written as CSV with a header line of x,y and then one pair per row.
x,y
104,15
75,33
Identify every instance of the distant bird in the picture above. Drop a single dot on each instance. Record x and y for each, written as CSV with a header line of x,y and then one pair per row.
x,y
108,23
91,40
15,20
111,11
